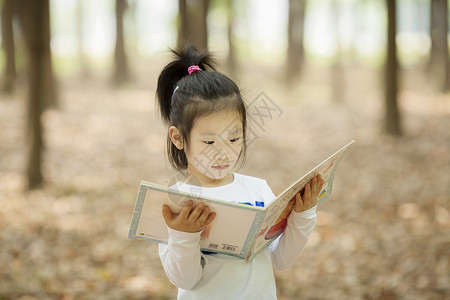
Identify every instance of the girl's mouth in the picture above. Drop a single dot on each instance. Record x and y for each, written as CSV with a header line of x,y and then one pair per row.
x,y
220,167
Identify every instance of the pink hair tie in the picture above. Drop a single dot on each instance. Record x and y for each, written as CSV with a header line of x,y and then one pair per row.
x,y
192,69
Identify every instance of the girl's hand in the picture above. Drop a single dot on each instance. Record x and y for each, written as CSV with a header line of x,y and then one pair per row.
x,y
310,195
190,219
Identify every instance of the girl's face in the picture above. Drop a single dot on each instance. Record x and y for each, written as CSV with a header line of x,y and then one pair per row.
x,y
216,142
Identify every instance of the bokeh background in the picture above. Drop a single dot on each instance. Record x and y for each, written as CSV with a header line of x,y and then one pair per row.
x,y
79,131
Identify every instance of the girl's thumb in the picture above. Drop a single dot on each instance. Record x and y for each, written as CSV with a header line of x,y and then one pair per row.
x,y
167,214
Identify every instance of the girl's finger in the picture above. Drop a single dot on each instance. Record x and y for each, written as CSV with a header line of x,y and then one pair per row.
x,y
167,214
307,194
184,214
195,213
319,181
316,186
203,216
210,218
298,202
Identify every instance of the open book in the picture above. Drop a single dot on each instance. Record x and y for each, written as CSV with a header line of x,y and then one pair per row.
x,y
242,230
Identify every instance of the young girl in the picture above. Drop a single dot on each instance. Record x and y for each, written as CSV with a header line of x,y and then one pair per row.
x,y
207,123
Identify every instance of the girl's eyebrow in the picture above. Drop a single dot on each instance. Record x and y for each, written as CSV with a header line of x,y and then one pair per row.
x,y
208,133
233,131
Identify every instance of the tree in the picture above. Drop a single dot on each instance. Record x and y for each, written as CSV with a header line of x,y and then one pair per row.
x,y
296,27
231,58
439,60
85,72
34,17
392,115
337,73
8,46
24,10
192,23
121,73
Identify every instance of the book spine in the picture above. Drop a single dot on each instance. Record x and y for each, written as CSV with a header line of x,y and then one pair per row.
x,y
137,213
253,234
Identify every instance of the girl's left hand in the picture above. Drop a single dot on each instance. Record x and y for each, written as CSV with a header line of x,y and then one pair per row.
x,y
310,195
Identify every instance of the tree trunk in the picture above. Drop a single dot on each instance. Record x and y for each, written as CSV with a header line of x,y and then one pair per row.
x,y
392,115
337,81
121,74
193,23
27,16
49,82
295,53
439,60
231,58
33,16
8,46
84,68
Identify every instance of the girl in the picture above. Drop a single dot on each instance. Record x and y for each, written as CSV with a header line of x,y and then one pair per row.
x,y
207,123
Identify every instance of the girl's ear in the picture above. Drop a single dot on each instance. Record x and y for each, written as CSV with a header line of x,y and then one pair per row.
x,y
176,138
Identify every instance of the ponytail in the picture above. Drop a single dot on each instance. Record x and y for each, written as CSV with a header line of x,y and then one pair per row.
x,y
184,57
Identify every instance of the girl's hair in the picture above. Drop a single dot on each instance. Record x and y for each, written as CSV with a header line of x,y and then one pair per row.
x,y
182,98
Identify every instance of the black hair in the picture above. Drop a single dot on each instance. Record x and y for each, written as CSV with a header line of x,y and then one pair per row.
x,y
182,98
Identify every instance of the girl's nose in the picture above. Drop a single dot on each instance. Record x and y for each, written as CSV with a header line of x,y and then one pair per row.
x,y
222,156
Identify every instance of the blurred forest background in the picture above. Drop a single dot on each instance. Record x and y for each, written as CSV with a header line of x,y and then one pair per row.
x,y
78,132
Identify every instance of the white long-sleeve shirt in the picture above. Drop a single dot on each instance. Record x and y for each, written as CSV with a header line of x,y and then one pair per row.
x,y
219,276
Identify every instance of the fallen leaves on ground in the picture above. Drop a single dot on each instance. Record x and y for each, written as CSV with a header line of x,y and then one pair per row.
x,y
383,234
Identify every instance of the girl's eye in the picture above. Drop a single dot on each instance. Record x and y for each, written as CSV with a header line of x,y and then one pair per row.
x,y
208,142
234,140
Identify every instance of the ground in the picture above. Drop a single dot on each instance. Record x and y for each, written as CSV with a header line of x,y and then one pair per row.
x,y
383,234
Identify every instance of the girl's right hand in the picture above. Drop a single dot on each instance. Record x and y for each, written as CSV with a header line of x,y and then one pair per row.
x,y
310,195
190,219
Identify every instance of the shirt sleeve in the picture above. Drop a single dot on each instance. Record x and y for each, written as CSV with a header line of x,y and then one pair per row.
x,y
288,247
181,258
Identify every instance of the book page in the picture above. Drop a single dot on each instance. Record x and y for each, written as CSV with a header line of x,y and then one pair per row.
x,y
228,233
278,211
275,221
